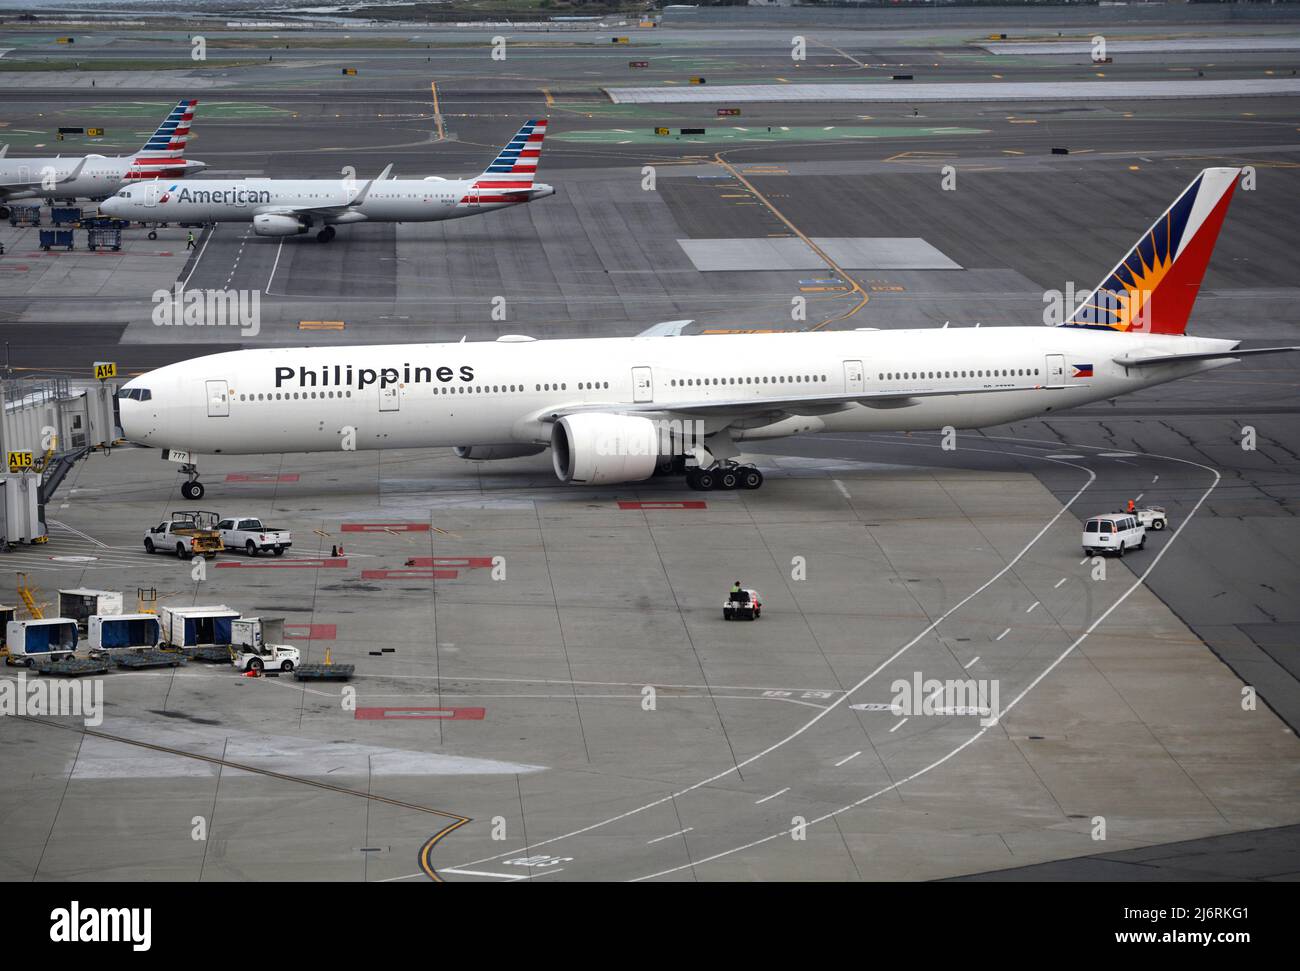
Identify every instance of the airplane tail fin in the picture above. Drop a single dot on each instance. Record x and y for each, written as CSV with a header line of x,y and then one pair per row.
x,y
1153,288
516,166
165,148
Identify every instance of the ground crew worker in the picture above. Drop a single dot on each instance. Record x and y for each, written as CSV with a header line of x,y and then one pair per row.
x,y
736,590
189,240
1132,506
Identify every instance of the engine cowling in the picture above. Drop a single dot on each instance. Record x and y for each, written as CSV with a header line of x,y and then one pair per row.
x,y
596,448
274,224
490,453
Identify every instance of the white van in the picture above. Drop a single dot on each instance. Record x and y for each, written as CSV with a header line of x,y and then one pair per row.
x,y
1113,532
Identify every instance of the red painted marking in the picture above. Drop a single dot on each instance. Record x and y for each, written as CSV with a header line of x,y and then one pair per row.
x,y
384,527
687,504
262,477
311,632
312,564
16,267
391,714
462,562
424,574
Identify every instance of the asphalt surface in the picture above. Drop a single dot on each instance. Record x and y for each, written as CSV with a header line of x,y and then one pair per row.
x,y
1150,696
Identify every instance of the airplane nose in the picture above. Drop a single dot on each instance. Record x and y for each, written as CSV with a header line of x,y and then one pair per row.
x,y
111,205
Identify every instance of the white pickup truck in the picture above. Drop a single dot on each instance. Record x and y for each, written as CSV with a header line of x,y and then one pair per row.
x,y
248,534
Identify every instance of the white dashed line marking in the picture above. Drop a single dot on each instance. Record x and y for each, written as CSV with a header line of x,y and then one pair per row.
x,y
974,660
1030,608
898,726
1059,582
848,758
843,491
772,796
1003,634
660,839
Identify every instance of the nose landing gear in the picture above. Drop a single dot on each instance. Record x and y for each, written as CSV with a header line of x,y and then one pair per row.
x,y
192,488
723,475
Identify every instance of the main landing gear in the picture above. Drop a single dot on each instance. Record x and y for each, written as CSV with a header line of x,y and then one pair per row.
x,y
325,235
192,488
723,475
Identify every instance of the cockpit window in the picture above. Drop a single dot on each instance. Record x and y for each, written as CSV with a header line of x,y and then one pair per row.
x,y
136,394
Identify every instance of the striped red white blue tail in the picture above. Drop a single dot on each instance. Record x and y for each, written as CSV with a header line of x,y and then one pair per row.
x,y
164,152
517,162
1153,288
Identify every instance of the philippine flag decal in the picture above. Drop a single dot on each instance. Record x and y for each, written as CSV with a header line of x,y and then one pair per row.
x,y
1082,371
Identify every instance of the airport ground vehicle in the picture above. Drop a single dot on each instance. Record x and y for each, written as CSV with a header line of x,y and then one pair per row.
x,y
123,632
743,605
40,639
197,627
190,532
82,603
24,215
1153,517
248,534
1114,532
105,235
57,237
254,645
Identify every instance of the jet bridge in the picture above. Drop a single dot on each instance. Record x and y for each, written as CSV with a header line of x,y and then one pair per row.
x,y
47,426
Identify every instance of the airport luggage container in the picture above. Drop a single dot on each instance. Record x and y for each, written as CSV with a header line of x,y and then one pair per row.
x,y
6,614
200,632
41,640
57,237
81,603
24,215
65,215
123,632
103,237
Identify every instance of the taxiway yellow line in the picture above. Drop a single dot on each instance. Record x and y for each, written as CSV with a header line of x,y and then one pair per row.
x,y
854,286
437,111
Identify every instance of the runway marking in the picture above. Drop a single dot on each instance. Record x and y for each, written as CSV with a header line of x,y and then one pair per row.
x,y
1139,497
1003,634
274,266
660,839
972,661
1155,479
1030,608
486,873
1059,582
207,238
861,683
847,758
899,725
758,802
1083,561
1139,581
843,491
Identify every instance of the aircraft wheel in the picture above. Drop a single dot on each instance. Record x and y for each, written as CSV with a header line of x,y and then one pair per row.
x,y
705,480
192,490
750,478
153,234
728,479
325,235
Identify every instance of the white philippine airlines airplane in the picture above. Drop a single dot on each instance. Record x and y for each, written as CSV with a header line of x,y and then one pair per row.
x,y
97,176
623,409
288,207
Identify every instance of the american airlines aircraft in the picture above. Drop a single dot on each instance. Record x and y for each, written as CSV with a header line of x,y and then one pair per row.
x,y
288,207
624,409
96,176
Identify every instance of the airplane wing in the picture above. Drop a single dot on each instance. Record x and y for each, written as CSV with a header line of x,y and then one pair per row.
x,y
336,209
669,328
808,404
41,182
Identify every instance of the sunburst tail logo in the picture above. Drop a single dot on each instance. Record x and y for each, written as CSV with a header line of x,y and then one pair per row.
x,y
1153,288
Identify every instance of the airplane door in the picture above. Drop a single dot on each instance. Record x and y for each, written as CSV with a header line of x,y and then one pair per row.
x,y
853,383
152,191
1055,370
643,385
390,399
218,400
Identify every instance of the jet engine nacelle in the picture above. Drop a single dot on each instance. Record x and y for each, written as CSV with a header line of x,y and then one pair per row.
x,y
489,453
597,448
274,224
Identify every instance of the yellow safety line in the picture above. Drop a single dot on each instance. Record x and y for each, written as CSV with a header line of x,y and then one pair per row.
x,y
550,102
437,111
854,287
